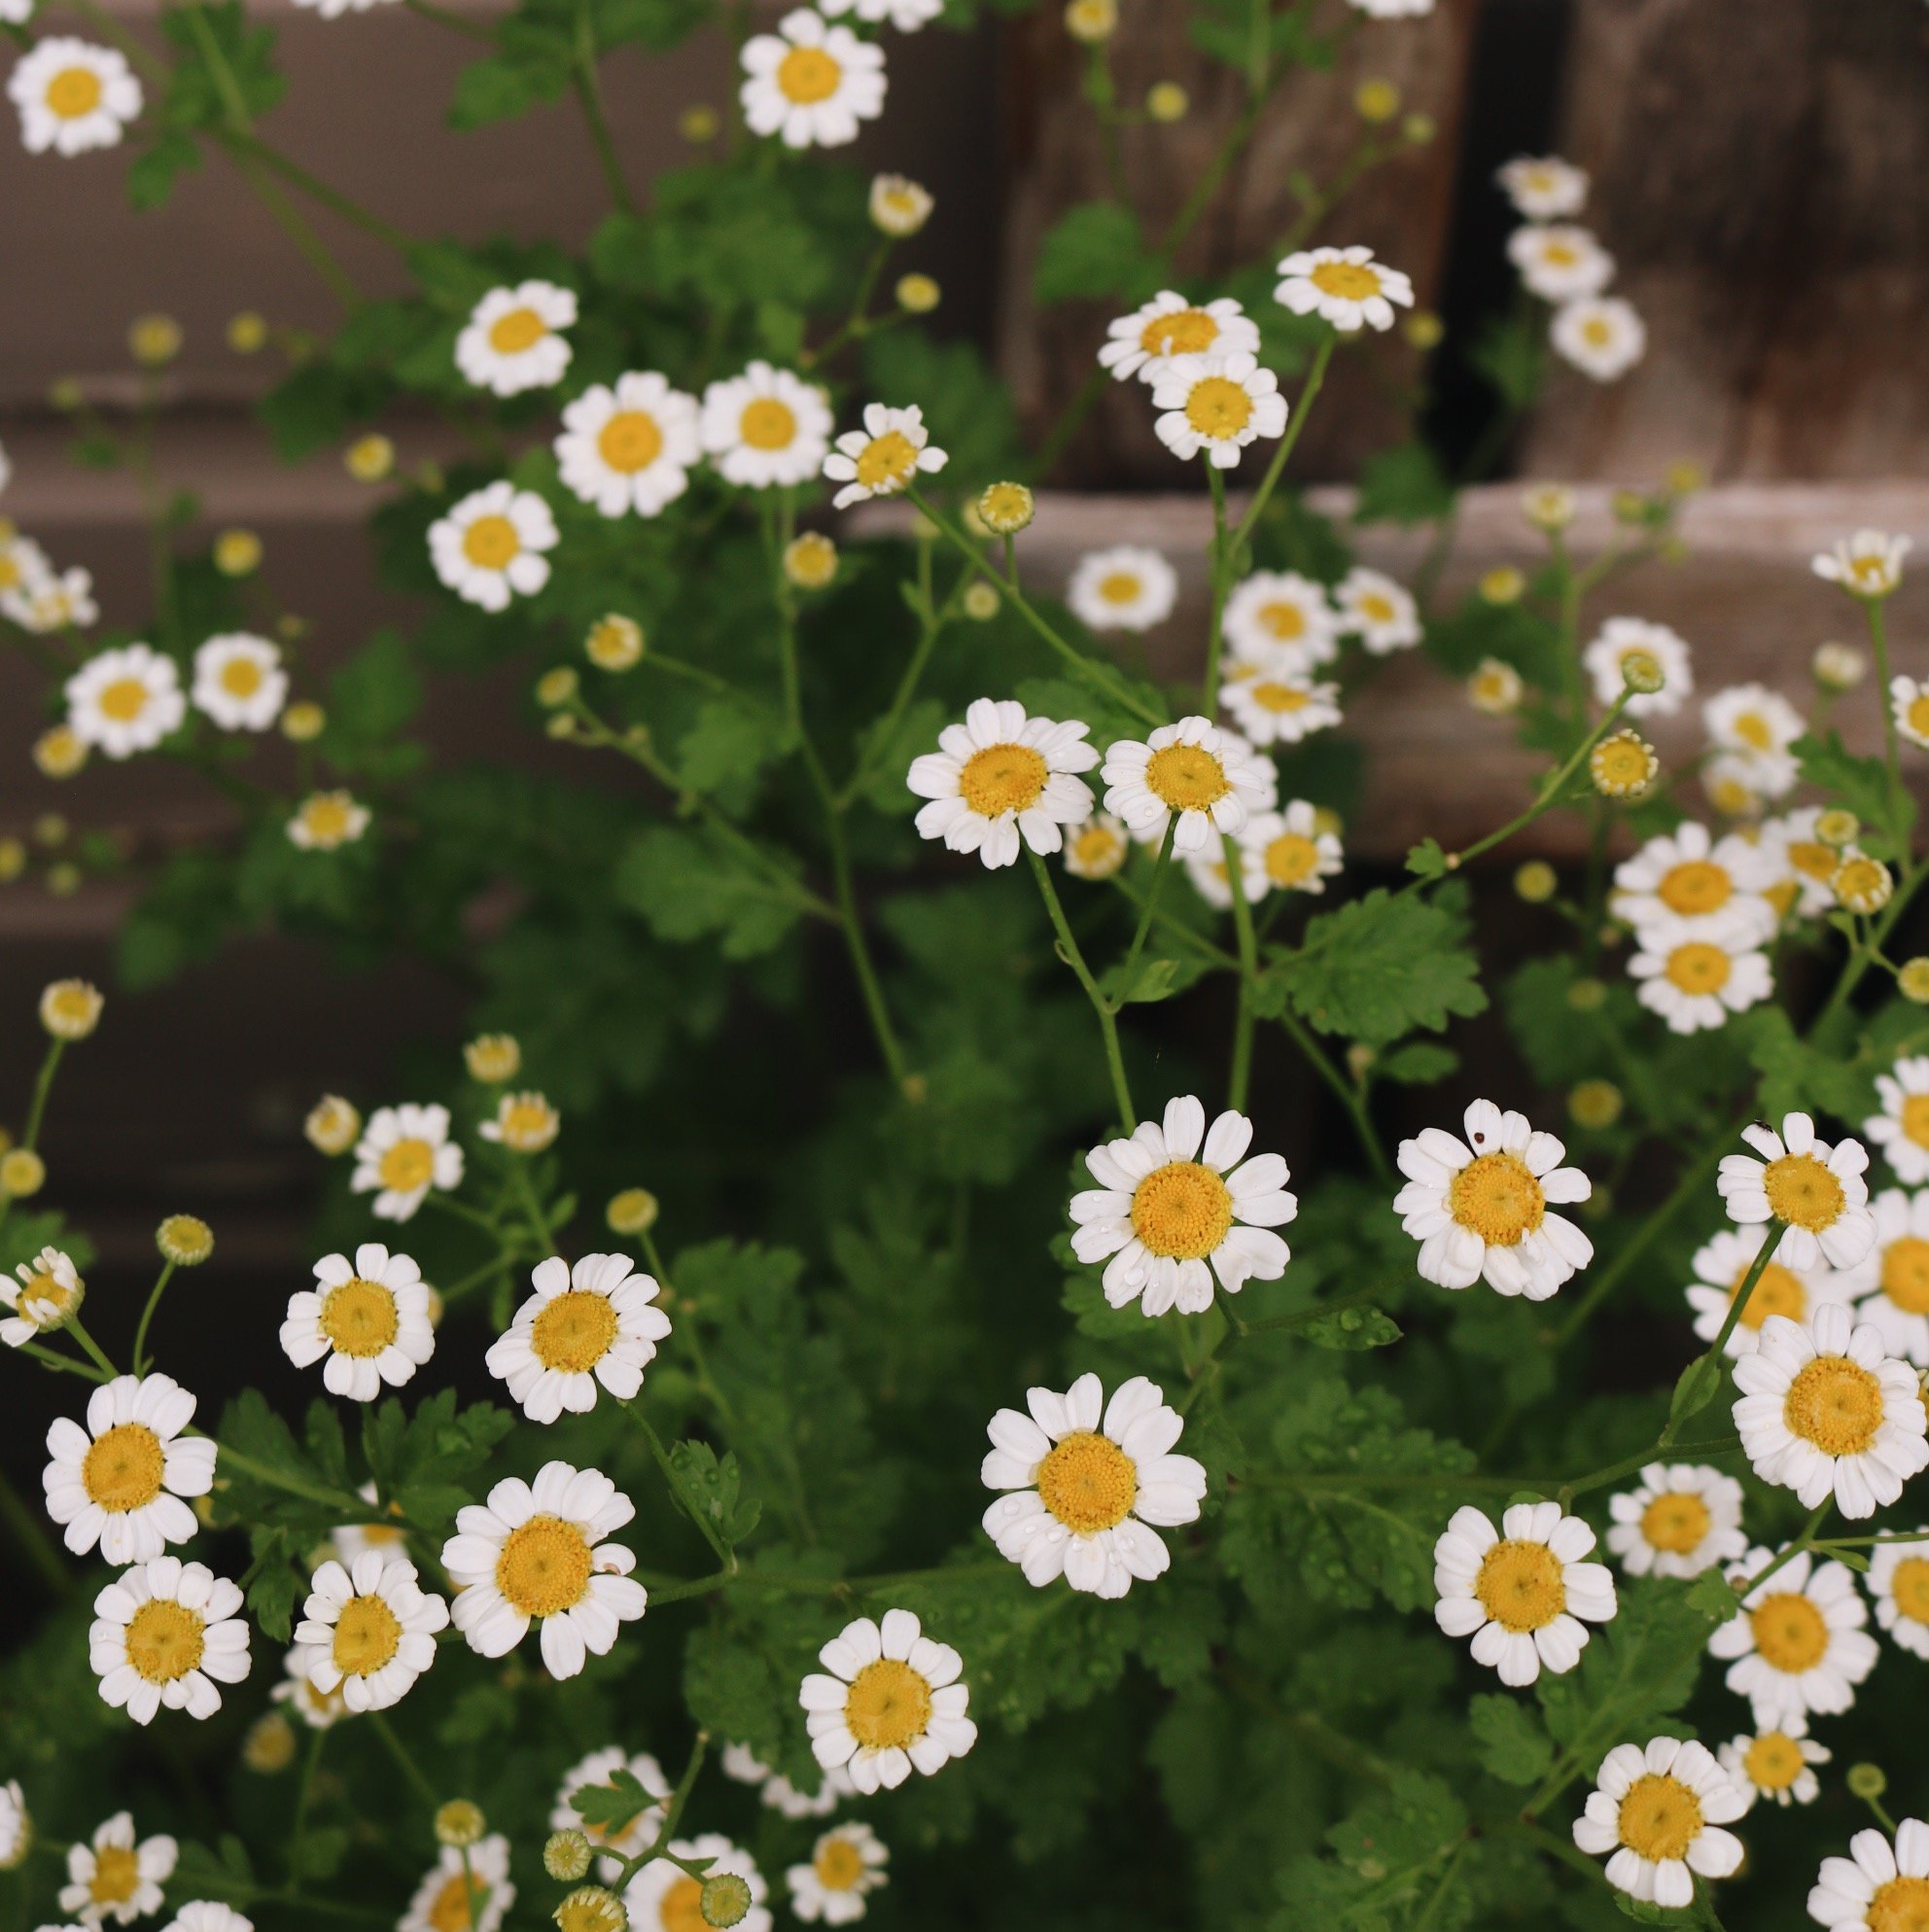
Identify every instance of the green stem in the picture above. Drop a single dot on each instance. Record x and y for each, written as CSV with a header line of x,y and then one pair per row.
x,y
410,1770
316,190
691,1507
1316,378
1160,866
1878,639
1248,976
43,1086
447,16
1068,950
1221,554
1771,1236
1349,1097
588,88
77,1329
525,1183
30,1532
142,1361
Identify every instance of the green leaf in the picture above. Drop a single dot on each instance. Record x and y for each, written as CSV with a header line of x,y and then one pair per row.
x,y
711,1486
1351,1328
1797,1077
151,177
1426,861
1511,1743
1635,1671
692,885
1405,485
1152,980
1861,783
1419,1063
1096,249
730,742
613,1806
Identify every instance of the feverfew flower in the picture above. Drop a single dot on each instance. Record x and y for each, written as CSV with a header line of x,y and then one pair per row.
x,y
630,446
1825,1411
124,700
351,1539
811,83
847,1863
598,1768
1722,1265
775,1790
208,1916
1600,335
1542,188
60,601
1146,342
73,96
1086,1495
1899,1582
1777,1764
1520,1592
886,456
1909,703
1682,1518
164,1634
1125,588
899,205
1621,637
40,1297
367,1633
765,427
1867,565
489,548
1560,262
1622,765
1381,612
371,1321
1862,884
405,1151
1217,403
1902,1129
1479,1207
117,1876
1171,1213
514,339
1690,881
891,1704
1696,973
1890,1285
1193,769
524,1123
1754,720
1093,849
1288,851
465,1890
1495,689
239,682
1658,1817
1797,1645
119,1481
1278,618
906,15
541,1551
594,1324
327,821
1880,1887
663,1897
1000,777
1816,1189
1343,286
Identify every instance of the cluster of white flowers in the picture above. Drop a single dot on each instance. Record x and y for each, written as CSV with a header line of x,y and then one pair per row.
x,y
35,594
1565,265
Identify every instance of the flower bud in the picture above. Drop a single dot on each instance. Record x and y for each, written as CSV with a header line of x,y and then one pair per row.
x,y
1423,329
1005,509
1622,765
725,1899
237,553
1376,100
900,206
1503,584
493,1058
1837,667
633,1212
154,340
1913,979
1167,101
980,601
333,1125
615,643
810,561
12,860
566,1855
1536,881
369,459
269,1745
247,333
591,1908
70,1009
1092,20
22,1172
1595,1104
1867,1782
1838,827
304,721
1549,506
1862,884
1587,995
460,1822
59,752
918,294
698,123
1642,673
1494,687
557,686
184,1239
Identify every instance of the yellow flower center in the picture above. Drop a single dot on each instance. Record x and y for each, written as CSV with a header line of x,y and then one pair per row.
x,y
1699,967
1868,568
1836,1404
45,1299
1773,1761
1096,847
124,700
1909,1585
1271,696
1675,1522
1374,608
490,543
1804,1193
366,1636
1620,764
1694,887
117,1875
544,1566
164,1640
1900,1906
1120,586
1558,253
767,424
1291,859
573,1332
1088,1483
1187,778
517,331
1916,716
681,1906
1660,1817
528,1123
1519,1586
838,1864
1182,1210
1219,408
1350,281
1778,1291
327,818
1002,778
359,1317
1905,1273
1860,883
1752,728
124,1468
450,1911
1185,332
1597,332
1283,618
1790,1633
888,462
887,1705
807,75
408,1165
1498,1197
74,92
1813,858
1914,1119
629,442
241,677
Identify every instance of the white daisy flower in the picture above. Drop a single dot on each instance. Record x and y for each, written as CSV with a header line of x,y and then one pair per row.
x,y
1890,1285
327,821
596,1323
776,1791
1381,612
1621,637
811,83
1177,1205
1754,720
16,1825
1797,1645
524,1123
464,1891
208,1916
1000,777
663,1897
906,15
1192,768
1479,1207
1880,1887
1722,1265
403,1151
1213,880
1154,335
1657,1815
117,1876
1902,1129
847,1864
1804,864
239,682
119,1481
900,206
1687,880
1279,704
62,600
765,427
1815,1188
1288,852
1560,262
44,1293
512,340
1217,402
1520,1592
1343,286
541,1551
1543,187
884,457
489,548
1826,1411
1600,335
630,448
893,1703
1278,619
317,1710
1899,1582
598,1768
1681,1518
1093,849
1868,564
371,1321
73,96
1908,705
1775,1763
24,567
125,700
1696,973
1125,588
1495,689
164,1634
1086,1495
369,1633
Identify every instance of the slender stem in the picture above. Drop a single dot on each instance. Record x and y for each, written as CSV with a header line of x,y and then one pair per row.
x,y
1316,378
355,1509
1612,1472
1221,554
400,1751
43,1086
1068,948
304,1791
142,1362
672,1816
316,190
1349,1097
447,16
691,1505
538,1221
1770,1237
1248,976
1878,639
1160,866
77,1329
30,1532
588,88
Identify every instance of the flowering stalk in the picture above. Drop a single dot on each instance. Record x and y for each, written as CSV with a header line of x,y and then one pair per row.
x,y
1070,953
